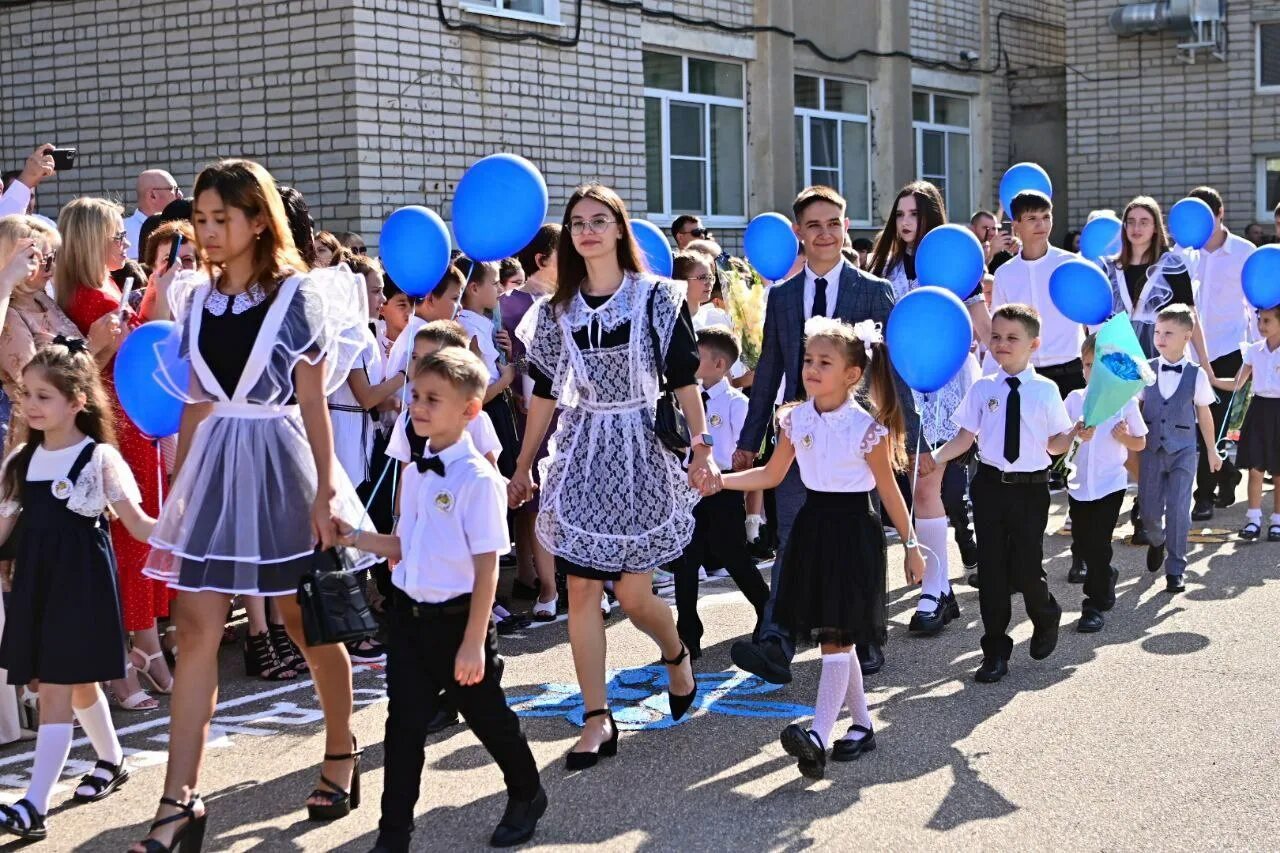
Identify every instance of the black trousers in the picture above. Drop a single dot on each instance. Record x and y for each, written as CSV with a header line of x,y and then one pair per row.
x,y
1068,376
1010,521
1092,525
719,542
1208,484
420,663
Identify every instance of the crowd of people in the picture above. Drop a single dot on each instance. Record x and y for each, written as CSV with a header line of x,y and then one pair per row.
x,y
520,414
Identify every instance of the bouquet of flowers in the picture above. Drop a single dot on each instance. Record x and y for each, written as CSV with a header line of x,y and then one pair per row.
x,y
1120,371
744,297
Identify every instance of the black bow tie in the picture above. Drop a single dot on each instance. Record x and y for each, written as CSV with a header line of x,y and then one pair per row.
x,y
1175,368
429,463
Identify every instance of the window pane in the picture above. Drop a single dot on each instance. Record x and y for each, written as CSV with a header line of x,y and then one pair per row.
x,y
1273,184
958,176
801,180
934,161
857,162
653,155
662,71
806,92
1269,54
715,78
823,139
919,106
826,177
845,97
686,131
727,195
533,7
688,178
953,111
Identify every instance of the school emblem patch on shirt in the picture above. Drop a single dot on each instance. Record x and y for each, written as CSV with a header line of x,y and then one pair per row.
x,y
61,488
716,420
993,404
444,501
807,441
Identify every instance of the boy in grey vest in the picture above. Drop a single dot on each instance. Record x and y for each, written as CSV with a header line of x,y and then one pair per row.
x,y
1173,409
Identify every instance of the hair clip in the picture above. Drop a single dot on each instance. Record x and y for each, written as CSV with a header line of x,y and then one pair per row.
x,y
74,345
869,332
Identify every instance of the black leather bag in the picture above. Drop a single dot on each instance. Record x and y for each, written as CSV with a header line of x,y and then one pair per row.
x,y
333,604
669,423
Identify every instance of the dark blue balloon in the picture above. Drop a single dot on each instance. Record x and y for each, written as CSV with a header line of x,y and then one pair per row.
x,y
654,246
150,349
498,207
1261,277
1021,177
1100,239
1080,291
771,246
1191,223
950,257
414,249
928,337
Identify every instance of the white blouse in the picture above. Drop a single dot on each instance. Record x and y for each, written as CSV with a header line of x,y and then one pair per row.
x,y
832,447
105,480
480,328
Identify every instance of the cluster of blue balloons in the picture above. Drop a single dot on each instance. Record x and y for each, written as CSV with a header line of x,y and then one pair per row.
x,y
1261,277
928,336
152,347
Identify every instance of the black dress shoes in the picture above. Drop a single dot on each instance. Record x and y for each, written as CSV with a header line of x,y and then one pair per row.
x,y
519,821
1078,571
870,659
969,554
1044,639
1091,621
1202,511
1155,558
444,718
1227,489
972,580
847,749
1139,533
1173,584
810,757
764,659
992,670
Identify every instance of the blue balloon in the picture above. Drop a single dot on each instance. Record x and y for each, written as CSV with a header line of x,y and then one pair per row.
x,y
498,207
414,249
1080,291
150,348
1021,177
654,246
1261,277
928,337
950,257
1191,223
1100,239
771,245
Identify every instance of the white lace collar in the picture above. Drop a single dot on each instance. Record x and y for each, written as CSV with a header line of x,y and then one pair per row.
x,y
837,419
216,302
615,311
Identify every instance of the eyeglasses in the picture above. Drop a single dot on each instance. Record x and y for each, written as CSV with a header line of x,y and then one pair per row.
x,y
359,250
120,238
596,225
702,278
49,260
172,188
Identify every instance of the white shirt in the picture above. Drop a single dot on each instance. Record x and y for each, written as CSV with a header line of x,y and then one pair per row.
x,y
710,315
15,199
1266,368
1168,380
480,428
832,447
1042,417
726,412
480,329
832,278
447,520
1098,467
1224,312
397,357
54,464
133,228
1020,280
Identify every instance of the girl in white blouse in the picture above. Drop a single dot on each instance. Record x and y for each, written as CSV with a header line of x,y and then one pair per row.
x,y
834,578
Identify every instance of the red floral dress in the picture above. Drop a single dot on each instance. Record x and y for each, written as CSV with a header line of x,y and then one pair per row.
x,y
141,599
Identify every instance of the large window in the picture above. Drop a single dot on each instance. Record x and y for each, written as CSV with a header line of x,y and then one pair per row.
x,y
943,148
1268,186
546,11
1268,57
694,133
833,140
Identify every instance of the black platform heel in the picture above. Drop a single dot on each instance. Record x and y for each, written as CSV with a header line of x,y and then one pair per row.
x,y
608,749
188,839
341,801
680,704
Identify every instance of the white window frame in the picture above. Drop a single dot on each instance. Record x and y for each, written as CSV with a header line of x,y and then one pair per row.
x,y
1263,213
919,127
666,97
808,114
497,8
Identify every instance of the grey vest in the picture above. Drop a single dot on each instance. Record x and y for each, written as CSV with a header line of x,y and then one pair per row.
x,y
1171,423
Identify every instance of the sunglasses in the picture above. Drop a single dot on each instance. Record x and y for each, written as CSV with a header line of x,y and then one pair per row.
x,y
50,259
697,232
359,250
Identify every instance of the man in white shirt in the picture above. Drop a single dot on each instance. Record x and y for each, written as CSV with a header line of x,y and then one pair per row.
x,y
1225,316
20,194
155,189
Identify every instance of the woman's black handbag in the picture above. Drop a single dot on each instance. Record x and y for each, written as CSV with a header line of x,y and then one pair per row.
x,y
669,424
332,600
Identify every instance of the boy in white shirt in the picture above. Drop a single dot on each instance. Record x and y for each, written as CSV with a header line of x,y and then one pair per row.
x,y
1095,492
452,529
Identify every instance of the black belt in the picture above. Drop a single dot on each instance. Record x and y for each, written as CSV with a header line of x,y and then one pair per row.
x,y
1073,366
1016,478
345,407
452,607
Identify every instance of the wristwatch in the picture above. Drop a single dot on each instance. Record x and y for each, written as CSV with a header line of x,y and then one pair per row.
x,y
703,439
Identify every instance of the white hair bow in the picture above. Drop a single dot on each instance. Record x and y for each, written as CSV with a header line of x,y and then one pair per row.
x,y
869,332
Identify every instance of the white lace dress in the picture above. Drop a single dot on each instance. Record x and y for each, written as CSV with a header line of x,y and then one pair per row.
x,y
613,499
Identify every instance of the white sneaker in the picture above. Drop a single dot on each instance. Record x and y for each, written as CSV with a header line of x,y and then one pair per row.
x,y
662,579
702,574
605,606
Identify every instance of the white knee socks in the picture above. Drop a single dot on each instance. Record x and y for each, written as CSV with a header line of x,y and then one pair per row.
x,y
856,698
53,745
932,533
96,722
833,684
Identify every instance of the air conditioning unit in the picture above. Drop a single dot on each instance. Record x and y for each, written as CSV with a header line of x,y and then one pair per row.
x,y
1199,24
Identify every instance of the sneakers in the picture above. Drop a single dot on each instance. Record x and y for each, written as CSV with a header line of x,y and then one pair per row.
x,y
663,579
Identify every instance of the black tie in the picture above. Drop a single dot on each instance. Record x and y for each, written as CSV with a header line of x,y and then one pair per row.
x,y
429,463
819,298
1012,420
1176,368
705,398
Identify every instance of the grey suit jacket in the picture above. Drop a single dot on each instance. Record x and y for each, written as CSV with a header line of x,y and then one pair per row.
x,y
859,296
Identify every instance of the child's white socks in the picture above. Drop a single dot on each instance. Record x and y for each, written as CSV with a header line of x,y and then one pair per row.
x,y
932,536
856,698
833,685
53,745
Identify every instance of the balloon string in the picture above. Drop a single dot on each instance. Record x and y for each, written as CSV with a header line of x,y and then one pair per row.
x,y
1226,417
159,474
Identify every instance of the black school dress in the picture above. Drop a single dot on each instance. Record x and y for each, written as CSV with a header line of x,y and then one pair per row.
x,y
63,623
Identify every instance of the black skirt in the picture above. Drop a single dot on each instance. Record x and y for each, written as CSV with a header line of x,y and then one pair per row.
x,y
833,571
1259,445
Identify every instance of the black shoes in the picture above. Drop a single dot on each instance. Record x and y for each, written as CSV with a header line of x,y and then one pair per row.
x,y
1202,511
992,670
1173,584
972,580
1155,558
341,802
810,757
519,820
929,624
870,659
847,749
608,749
99,787
764,659
1091,621
445,717
1044,638
1078,571
1139,533
1227,489
969,555
680,703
